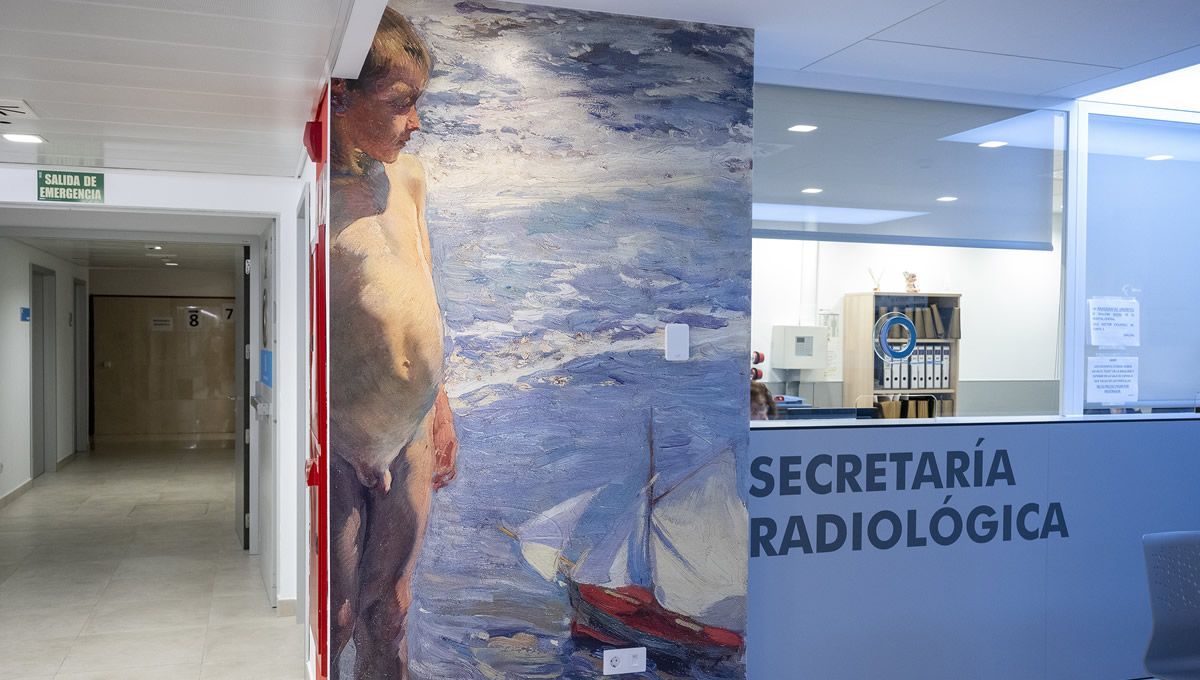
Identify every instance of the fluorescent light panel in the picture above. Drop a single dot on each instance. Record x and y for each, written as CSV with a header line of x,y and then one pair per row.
x,y
823,214
1159,157
24,139
1033,130
802,128
995,144
1175,90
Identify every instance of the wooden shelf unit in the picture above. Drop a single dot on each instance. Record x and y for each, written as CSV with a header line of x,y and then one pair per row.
x,y
862,377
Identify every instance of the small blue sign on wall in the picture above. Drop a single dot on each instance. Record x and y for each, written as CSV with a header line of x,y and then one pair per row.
x,y
265,372
26,314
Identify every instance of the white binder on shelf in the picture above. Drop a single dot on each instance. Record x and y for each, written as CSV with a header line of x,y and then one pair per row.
x,y
886,377
905,371
918,367
946,366
933,377
935,365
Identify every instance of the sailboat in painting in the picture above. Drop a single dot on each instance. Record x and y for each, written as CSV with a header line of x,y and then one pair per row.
x,y
666,573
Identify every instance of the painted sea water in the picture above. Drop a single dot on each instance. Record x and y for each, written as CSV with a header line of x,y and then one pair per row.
x,y
588,182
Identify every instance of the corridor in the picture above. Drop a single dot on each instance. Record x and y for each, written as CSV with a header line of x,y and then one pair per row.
x,y
124,565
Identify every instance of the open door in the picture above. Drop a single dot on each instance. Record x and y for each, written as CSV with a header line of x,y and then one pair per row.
x,y
43,428
264,404
241,449
79,331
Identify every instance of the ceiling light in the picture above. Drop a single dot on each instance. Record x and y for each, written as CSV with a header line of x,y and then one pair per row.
x,y
171,264
816,214
811,190
802,128
1156,157
153,247
24,139
993,145
947,199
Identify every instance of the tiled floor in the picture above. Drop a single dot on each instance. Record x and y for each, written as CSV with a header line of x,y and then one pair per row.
x,y
124,566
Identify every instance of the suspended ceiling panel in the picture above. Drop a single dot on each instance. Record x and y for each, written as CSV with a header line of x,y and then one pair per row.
x,y
19,222
1115,33
104,254
955,68
186,85
1063,48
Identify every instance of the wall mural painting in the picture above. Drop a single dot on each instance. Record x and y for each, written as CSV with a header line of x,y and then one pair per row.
x,y
521,198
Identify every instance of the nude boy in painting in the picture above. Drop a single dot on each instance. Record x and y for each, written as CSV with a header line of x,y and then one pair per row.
x,y
391,429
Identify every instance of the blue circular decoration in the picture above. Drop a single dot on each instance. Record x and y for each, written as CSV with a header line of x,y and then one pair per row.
x,y
885,329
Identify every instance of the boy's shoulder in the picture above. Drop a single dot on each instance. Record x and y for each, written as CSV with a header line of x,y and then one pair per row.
x,y
406,168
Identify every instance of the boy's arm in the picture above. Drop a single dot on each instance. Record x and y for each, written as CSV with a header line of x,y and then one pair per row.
x,y
445,441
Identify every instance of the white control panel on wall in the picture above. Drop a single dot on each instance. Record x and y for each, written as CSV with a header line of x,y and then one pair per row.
x,y
628,660
677,341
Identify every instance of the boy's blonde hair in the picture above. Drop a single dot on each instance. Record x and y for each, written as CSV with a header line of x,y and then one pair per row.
x,y
395,41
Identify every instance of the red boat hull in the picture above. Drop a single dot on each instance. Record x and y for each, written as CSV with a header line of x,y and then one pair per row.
x,y
632,615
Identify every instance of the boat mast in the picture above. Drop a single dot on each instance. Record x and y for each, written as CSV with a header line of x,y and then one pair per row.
x,y
649,499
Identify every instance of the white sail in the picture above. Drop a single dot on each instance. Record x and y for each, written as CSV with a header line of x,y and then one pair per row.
x,y
606,562
542,538
610,562
699,544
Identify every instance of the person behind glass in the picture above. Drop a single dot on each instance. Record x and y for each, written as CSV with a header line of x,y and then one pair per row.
x,y
762,404
391,429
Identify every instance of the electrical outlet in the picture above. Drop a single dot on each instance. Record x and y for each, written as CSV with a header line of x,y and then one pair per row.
x,y
621,661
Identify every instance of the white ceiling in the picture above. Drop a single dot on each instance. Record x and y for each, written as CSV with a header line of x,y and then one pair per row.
x,y
950,48
96,254
226,85
186,85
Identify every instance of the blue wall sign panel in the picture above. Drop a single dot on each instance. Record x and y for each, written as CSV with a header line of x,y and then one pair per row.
x,y
989,552
266,373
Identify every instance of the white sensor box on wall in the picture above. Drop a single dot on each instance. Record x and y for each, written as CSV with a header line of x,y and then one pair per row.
x,y
678,341
795,347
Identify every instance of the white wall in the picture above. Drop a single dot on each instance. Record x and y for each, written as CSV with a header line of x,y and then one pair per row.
x,y
1010,298
177,282
15,389
271,197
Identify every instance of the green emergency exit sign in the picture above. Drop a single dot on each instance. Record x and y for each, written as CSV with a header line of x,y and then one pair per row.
x,y
70,187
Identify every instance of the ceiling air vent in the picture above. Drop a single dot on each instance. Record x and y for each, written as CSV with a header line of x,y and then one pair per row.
x,y
13,110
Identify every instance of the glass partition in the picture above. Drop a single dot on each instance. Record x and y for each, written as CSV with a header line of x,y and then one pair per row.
x,y
868,168
941,221
1142,246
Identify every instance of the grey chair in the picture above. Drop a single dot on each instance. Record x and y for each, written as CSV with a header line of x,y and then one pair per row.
x,y
1173,569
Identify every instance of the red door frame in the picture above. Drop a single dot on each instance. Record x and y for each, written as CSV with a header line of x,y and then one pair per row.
x,y
318,497
316,467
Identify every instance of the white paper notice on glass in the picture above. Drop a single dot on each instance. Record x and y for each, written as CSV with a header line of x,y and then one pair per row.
x,y
1112,380
832,321
1114,322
